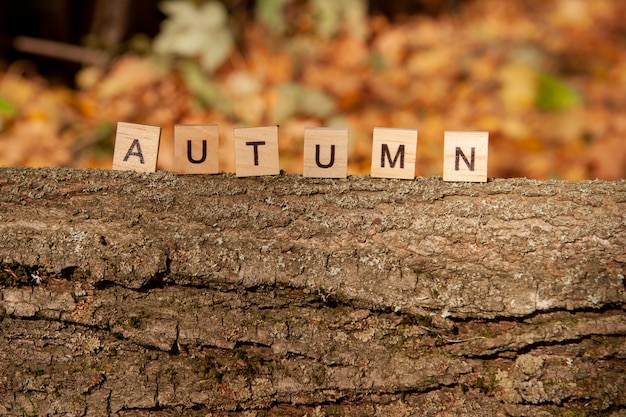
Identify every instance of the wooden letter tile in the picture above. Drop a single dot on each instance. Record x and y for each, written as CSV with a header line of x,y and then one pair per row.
x,y
136,147
196,149
393,153
256,151
325,152
465,156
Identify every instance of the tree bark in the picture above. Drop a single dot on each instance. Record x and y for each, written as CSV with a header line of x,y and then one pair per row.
x,y
125,294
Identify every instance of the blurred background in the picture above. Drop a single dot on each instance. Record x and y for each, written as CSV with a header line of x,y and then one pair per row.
x,y
547,79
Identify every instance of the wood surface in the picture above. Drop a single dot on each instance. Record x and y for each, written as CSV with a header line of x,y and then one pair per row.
x,y
256,151
136,147
136,294
386,160
465,156
196,149
325,153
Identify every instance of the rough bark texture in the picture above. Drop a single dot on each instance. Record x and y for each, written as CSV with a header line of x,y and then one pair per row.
x,y
125,294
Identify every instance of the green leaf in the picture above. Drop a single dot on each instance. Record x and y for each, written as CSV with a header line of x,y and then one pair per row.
x,y
270,14
207,92
195,32
7,108
299,100
331,15
211,58
553,94
328,16
355,18
315,103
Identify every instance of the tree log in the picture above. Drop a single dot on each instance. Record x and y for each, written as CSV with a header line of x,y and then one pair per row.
x,y
125,294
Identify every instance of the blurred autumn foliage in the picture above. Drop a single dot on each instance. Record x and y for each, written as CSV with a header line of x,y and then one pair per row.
x,y
547,79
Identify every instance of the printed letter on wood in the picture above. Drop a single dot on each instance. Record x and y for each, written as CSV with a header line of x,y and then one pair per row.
x,y
393,153
465,156
256,151
136,147
325,152
196,149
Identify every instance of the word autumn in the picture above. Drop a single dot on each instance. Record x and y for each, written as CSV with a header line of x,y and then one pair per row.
x,y
325,151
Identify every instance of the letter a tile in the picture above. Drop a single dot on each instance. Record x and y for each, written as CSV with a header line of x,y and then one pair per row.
x,y
465,156
325,152
256,151
393,153
136,147
196,149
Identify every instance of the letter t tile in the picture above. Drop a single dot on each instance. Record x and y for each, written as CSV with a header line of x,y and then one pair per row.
x,y
256,151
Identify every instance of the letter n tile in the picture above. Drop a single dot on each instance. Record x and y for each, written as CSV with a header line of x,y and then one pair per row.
x,y
465,156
